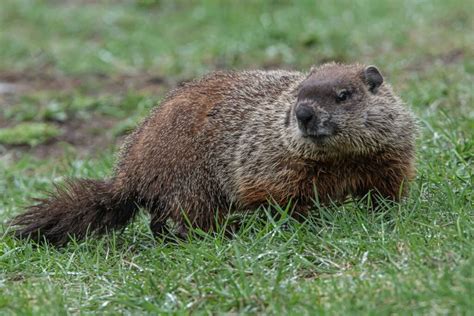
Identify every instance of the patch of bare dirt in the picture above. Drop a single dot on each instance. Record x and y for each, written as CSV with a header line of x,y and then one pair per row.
x,y
85,137
24,82
88,137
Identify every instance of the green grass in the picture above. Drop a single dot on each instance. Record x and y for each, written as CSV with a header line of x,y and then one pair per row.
x,y
28,133
74,62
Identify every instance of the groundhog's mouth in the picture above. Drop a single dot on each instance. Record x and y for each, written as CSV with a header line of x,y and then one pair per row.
x,y
318,135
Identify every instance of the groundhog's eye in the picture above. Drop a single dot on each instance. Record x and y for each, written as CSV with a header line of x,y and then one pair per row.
x,y
343,95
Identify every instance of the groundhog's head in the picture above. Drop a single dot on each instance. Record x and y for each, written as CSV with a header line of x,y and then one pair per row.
x,y
348,109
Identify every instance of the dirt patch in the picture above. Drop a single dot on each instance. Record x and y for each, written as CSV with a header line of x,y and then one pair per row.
x,y
26,81
88,137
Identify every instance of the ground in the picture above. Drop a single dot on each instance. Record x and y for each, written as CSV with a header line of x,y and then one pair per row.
x,y
76,76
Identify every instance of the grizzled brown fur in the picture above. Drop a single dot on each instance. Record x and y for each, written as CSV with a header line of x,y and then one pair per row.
x,y
236,140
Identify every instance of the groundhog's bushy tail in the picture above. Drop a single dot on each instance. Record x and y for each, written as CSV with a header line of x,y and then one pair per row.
x,y
77,208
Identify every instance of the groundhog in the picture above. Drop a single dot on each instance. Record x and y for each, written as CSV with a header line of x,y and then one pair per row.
x,y
235,141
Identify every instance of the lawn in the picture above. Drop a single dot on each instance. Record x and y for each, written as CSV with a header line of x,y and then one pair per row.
x,y
76,76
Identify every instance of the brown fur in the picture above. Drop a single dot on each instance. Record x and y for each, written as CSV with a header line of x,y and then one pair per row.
x,y
232,142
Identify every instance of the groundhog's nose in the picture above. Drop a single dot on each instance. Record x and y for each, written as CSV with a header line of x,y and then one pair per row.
x,y
304,114
314,123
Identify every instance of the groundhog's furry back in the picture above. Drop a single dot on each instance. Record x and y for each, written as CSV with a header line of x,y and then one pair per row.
x,y
234,141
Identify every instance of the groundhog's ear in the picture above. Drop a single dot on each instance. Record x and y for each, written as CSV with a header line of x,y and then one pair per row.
x,y
373,78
